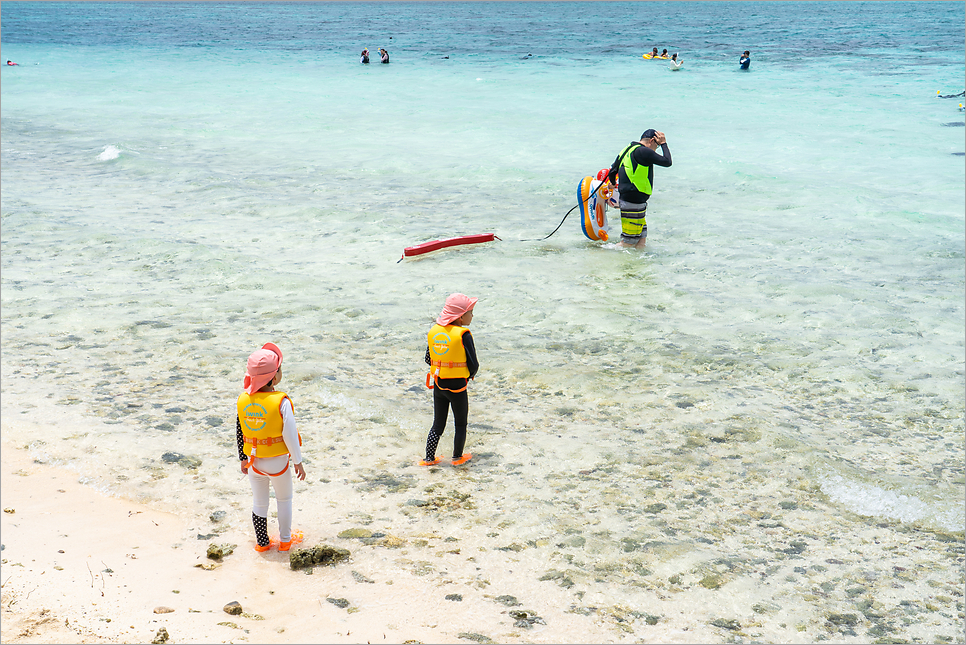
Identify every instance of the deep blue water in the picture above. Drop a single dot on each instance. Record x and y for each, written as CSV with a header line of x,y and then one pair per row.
x,y
778,32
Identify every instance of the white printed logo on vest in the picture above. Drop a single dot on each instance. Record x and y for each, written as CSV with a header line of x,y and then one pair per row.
x,y
254,416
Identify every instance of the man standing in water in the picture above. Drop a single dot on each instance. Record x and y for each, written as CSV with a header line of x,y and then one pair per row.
x,y
745,61
634,168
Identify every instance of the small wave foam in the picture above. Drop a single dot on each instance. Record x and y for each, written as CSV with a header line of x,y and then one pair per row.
x,y
110,152
873,501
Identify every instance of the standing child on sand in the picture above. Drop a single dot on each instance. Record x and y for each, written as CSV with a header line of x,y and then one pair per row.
x,y
451,357
267,437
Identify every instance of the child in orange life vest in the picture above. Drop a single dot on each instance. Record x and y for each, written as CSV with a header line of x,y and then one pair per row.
x,y
267,438
451,357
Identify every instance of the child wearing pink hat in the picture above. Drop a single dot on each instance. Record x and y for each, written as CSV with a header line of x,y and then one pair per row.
x,y
267,441
451,356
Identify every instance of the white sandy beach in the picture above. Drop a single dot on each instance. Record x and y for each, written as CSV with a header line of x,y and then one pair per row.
x,y
80,566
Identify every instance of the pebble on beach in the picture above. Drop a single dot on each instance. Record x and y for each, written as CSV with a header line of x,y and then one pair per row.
x,y
233,608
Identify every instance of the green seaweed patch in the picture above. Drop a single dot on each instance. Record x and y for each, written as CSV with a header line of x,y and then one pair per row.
x,y
349,534
478,638
712,582
795,547
559,576
392,483
575,540
358,577
185,461
322,554
765,607
516,547
727,623
849,620
526,619
451,502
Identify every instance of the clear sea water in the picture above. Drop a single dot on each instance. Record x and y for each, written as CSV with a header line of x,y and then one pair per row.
x,y
775,385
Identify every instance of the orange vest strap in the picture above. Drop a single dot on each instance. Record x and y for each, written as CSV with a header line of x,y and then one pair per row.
x,y
252,466
443,364
462,389
268,441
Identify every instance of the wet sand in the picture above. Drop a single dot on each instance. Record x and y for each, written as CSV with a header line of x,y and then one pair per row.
x,y
80,566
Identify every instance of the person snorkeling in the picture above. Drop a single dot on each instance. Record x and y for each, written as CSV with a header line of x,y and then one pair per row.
x,y
364,56
634,170
451,356
384,56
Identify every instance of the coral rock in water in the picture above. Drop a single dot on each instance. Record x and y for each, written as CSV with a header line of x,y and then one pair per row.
x,y
317,555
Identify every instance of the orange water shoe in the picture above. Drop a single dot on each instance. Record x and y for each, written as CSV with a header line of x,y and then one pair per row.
x,y
262,549
430,463
462,460
296,539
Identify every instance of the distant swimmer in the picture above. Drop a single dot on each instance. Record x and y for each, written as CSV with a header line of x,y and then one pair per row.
x,y
10,62
664,54
634,170
745,61
675,63
364,57
527,56
384,55
654,53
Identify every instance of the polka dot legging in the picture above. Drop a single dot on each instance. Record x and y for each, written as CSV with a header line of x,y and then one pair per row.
x,y
442,400
261,529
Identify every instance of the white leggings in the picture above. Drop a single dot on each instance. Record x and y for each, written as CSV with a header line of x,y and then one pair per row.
x,y
283,493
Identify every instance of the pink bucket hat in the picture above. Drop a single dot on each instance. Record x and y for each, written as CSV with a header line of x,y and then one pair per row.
x,y
456,305
263,364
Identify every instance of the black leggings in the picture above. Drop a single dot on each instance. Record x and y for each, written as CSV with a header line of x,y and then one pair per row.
x,y
442,400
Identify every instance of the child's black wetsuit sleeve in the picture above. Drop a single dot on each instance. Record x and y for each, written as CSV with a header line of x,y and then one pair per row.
x,y
471,361
240,438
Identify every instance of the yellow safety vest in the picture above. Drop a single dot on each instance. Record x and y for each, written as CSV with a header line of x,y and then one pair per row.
x,y
637,174
260,415
447,356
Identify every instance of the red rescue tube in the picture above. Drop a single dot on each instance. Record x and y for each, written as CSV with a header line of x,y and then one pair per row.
x,y
436,245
